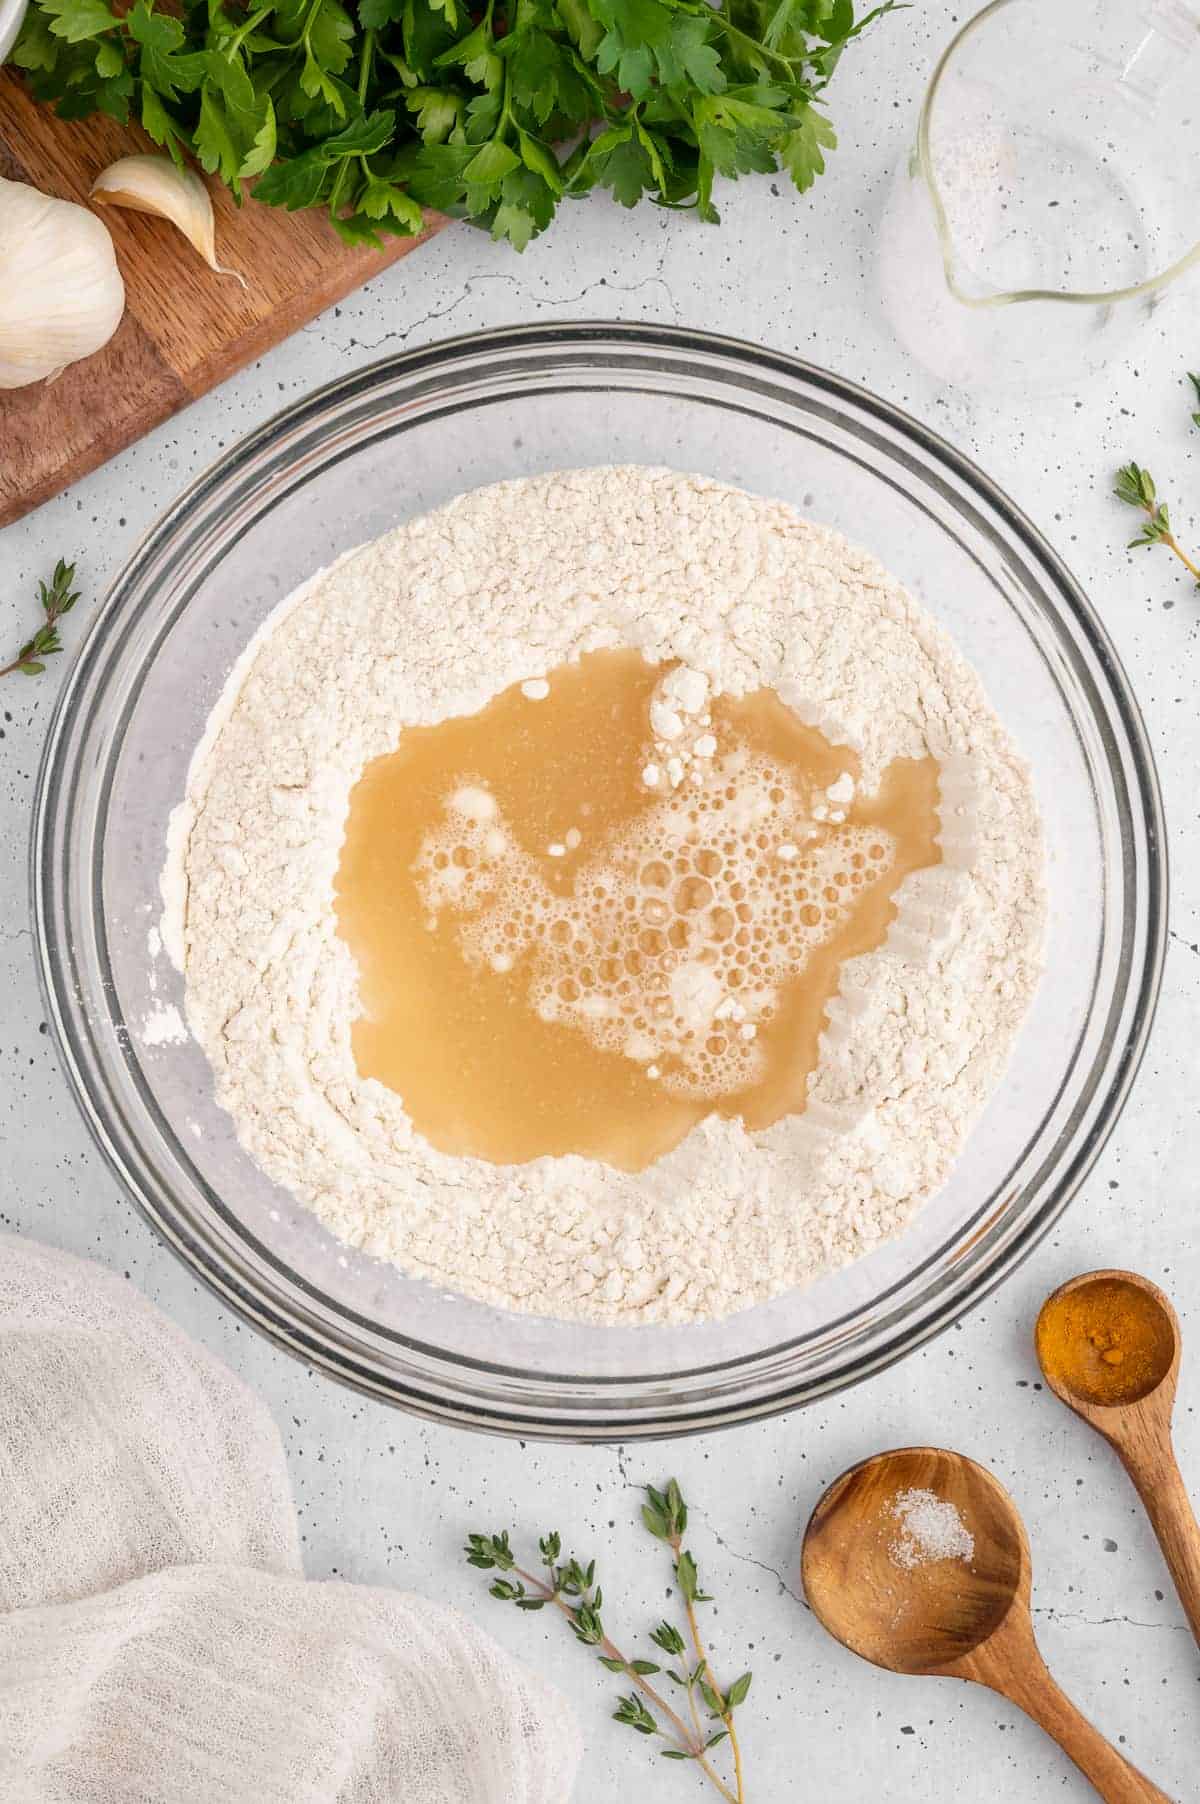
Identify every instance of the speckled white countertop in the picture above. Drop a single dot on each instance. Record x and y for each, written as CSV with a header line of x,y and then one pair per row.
x,y
387,1499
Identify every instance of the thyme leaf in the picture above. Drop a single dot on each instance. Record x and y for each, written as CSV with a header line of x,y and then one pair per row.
x,y
56,598
570,1586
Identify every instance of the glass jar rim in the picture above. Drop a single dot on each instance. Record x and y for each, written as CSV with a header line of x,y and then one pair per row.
x,y
1009,297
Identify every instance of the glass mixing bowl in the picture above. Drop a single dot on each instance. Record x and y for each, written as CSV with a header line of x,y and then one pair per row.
x,y
402,437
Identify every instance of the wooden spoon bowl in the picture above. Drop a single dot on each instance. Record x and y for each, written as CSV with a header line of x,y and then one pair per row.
x,y
962,1616
1090,1376
921,1618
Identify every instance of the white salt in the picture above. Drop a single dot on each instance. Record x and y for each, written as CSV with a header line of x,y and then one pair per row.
x,y
931,1529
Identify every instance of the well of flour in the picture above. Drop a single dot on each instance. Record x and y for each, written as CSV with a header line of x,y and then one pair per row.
x,y
573,936
608,896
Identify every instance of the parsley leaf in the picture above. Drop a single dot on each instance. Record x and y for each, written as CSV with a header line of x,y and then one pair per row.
x,y
380,109
213,138
78,19
261,153
801,150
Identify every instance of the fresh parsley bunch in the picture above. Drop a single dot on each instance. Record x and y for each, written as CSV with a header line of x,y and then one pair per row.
x,y
377,108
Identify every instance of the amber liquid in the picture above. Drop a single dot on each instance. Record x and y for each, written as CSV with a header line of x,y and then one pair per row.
x,y
480,1073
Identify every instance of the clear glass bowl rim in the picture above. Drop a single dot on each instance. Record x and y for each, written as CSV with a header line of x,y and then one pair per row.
x,y
488,1396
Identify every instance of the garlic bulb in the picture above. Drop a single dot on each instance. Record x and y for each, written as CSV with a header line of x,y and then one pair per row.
x,y
61,293
149,184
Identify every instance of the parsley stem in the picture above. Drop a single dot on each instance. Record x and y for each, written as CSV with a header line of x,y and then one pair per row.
x,y
233,44
364,78
310,19
364,74
754,45
505,118
339,182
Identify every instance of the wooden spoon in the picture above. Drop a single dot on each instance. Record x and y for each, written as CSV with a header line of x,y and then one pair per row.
x,y
1137,1424
958,1618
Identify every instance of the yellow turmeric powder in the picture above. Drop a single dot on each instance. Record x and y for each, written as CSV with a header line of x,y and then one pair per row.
x,y
1108,1342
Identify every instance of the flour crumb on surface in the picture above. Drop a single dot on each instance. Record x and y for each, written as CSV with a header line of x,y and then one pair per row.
x,y
436,619
163,1026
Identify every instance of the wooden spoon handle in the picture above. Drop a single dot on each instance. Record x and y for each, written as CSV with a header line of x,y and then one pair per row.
x,y
1155,1472
1028,1683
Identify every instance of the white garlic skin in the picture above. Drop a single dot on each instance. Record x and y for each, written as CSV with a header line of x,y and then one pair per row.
x,y
61,293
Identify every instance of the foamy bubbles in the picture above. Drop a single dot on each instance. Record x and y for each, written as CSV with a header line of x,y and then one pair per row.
x,y
679,933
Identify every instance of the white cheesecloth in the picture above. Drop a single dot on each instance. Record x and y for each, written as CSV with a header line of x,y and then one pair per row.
x,y
159,1643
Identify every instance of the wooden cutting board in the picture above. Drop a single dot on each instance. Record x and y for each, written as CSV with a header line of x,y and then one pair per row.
x,y
184,329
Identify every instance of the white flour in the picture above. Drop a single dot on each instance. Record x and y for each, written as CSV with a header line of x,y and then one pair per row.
x,y
500,587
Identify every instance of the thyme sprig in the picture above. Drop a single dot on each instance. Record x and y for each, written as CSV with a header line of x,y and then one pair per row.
x,y
1136,488
665,1515
570,1586
57,598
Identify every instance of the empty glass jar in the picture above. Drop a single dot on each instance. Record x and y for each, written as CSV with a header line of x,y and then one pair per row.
x,y
1052,198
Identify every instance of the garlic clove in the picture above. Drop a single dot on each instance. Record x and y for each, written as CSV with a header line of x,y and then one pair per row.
x,y
61,293
149,184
